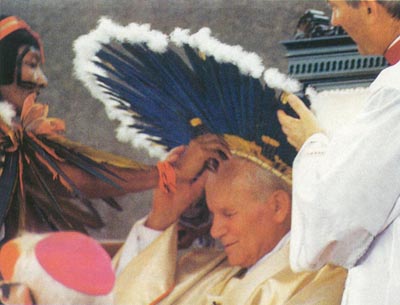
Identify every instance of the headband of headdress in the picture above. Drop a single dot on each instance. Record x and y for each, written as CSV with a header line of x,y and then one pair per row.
x,y
12,24
156,84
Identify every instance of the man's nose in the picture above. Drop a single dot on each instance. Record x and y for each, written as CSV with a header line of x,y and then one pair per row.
x,y
218,229
334,18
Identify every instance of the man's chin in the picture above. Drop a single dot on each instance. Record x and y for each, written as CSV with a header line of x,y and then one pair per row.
x,y
362,51
236,261
233,262
367,52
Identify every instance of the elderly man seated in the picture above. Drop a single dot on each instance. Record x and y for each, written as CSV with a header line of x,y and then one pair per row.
x,y
251,207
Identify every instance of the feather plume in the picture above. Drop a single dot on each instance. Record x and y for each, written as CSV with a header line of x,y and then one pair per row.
x,y
7,112
280,81
87,70
33,150
155,93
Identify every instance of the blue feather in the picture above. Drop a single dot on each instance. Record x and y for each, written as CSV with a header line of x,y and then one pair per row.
x,y
165,90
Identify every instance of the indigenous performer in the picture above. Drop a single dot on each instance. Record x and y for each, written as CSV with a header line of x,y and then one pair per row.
x,y
173,97
346,187
41,169
55,268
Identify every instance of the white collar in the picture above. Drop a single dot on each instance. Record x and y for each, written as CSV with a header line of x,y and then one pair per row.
x,y
394,42
279,246
7,112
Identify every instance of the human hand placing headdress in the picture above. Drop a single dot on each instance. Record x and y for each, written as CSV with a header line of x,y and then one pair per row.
x,y
168,207
190,164
298,130
193,160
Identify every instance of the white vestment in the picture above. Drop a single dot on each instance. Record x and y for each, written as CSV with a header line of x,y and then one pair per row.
x,y
155,275
346,198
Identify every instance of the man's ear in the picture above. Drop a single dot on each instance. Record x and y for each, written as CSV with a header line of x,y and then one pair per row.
x,y
15,293
281,203
371,8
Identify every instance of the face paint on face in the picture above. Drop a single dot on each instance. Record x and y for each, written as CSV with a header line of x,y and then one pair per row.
x,y
29,71
28,77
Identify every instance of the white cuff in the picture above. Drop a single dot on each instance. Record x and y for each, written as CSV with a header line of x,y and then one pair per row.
x,y
139,238
315,143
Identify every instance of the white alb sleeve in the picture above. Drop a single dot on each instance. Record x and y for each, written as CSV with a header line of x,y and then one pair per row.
x,y
138,239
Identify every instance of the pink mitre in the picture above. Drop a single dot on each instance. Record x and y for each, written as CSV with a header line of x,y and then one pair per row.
x,y
76,261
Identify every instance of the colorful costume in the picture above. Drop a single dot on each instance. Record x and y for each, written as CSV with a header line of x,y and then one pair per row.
x,y
35,190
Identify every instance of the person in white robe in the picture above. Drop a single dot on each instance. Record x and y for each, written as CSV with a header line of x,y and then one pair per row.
x,y
251,219
346,187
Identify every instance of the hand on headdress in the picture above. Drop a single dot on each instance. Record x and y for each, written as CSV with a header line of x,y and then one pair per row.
x,y
298,130
193,161
168,207
190,163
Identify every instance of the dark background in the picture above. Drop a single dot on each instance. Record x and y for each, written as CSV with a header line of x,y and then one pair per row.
x,y
257,25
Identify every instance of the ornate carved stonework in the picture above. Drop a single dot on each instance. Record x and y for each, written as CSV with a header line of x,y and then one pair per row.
x,y
315,23
325,57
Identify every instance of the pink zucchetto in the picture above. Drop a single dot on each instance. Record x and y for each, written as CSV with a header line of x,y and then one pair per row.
x,y
76,261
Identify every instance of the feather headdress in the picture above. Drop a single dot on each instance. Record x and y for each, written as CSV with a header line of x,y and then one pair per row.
x,y
154,84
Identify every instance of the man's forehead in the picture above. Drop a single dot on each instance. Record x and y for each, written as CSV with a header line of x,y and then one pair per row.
x,y
236,174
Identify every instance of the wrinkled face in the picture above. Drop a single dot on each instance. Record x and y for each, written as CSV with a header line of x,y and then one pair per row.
x,y
28,78
354,21
242,220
